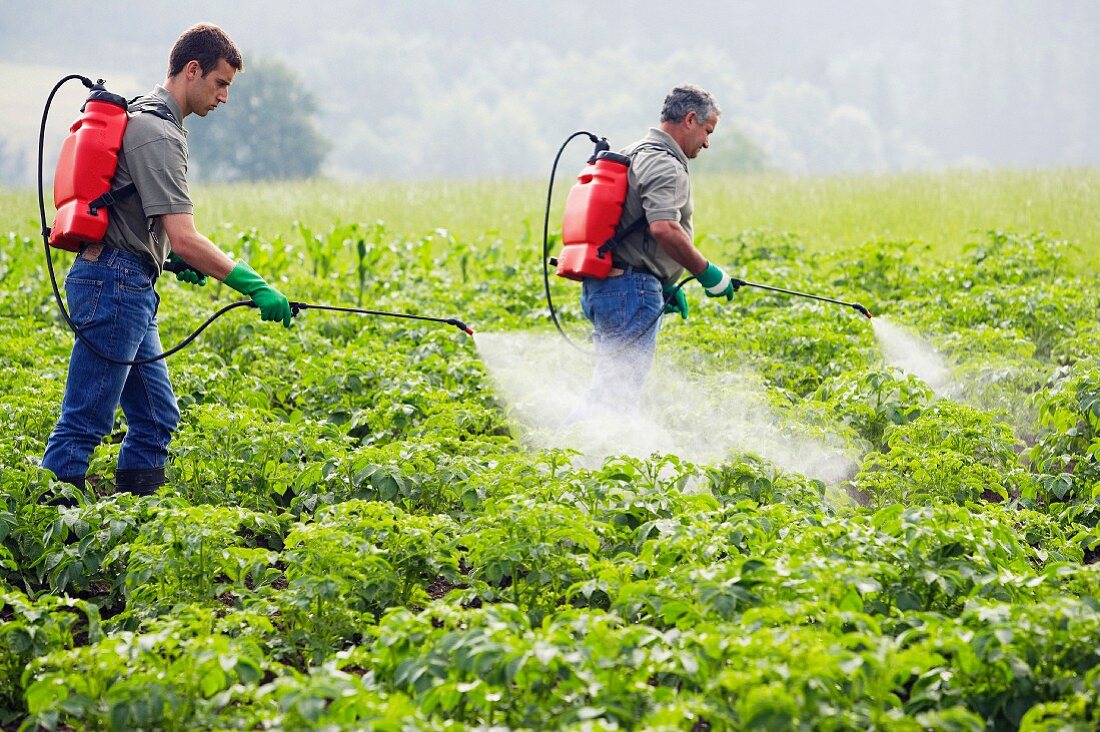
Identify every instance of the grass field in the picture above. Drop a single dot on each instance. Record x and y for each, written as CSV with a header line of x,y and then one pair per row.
x,y
944,210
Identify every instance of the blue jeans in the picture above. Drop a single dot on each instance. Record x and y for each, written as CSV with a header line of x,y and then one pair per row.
x,y
626,314
113,303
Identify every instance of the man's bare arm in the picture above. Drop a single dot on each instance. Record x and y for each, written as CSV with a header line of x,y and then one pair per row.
x,y
194,248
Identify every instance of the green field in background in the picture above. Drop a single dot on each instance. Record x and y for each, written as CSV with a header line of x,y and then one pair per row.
x,y
944,210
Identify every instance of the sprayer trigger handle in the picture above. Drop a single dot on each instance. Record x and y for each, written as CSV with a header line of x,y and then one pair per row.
x,y
176,266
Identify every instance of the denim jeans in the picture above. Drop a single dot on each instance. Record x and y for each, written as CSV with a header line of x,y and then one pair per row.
x,y
626,314
113,303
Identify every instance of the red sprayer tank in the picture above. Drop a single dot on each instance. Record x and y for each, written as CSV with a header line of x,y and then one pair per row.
x,y
592,212
85,168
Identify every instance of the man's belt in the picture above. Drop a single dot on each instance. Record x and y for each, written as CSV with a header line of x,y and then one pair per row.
x,y
631,268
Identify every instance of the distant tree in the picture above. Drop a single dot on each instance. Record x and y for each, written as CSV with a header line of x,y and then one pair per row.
x,y
267,130
731,151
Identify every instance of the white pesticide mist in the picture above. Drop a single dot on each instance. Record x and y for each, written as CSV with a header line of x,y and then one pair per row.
x,y
907,352
541,378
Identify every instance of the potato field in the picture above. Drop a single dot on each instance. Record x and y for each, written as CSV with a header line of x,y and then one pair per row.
x,y
364,529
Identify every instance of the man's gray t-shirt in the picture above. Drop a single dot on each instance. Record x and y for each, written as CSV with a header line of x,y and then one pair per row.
x,y
658,188
154,158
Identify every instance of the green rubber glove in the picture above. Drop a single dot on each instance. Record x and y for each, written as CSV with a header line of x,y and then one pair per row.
x,y
272,303
188,275
716,282
678,303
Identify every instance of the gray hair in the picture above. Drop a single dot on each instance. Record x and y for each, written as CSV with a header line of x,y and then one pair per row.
x,y
689,98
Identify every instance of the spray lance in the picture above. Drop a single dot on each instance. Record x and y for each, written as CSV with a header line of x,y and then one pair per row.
x,y
592,226
83,197
854,305
178,265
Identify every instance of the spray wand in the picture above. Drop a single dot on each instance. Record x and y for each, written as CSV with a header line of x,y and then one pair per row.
x,y
179,265
855,305
295,307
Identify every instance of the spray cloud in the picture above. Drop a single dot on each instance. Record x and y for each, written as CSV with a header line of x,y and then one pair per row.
x,y
907,352
699,419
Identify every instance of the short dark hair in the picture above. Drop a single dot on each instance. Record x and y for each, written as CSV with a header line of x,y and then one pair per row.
x,y
206,43
689,98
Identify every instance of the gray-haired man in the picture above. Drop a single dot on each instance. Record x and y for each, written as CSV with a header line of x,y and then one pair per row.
x,y
625,309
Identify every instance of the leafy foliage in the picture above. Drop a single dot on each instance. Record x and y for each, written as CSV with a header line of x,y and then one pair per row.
x,y
354,534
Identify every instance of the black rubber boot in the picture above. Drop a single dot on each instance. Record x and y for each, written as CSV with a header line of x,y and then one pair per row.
x,y
78,482
62,501
140,481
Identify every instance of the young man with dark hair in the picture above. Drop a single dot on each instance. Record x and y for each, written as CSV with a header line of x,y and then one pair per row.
x,y
110,285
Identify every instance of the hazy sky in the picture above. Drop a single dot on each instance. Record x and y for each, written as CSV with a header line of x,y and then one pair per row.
x,y
437,88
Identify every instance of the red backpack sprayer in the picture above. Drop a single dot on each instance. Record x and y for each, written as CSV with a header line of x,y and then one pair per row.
x,y
83,197
591,227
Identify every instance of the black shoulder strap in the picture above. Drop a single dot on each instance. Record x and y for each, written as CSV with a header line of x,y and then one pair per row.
x,y
154,106
110,198
151,105
160,109
622,232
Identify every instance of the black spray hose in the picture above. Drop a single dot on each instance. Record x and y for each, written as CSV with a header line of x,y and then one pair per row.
x,y
546,236
295,307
